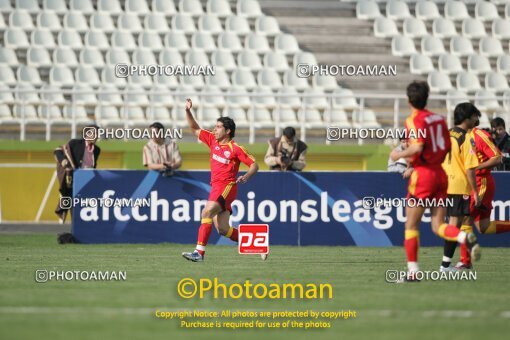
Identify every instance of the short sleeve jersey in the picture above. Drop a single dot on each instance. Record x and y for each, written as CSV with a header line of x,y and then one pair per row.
x,y
430,130
225,158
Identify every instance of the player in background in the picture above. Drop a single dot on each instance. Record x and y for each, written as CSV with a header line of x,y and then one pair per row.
x,y
226,157
426,153
489,157
459,165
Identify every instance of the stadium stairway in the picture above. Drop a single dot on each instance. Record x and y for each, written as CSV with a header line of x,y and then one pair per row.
x,y
330,30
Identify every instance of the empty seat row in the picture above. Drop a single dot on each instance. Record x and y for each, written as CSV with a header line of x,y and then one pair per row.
x,y
156,22
428,10
451,64
222,8
16,38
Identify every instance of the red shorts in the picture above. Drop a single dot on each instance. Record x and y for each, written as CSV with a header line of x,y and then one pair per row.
x,y
224,194
426,182
486,190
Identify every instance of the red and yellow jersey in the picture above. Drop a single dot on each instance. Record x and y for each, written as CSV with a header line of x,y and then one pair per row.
x,y
225,158
484,148
460,158
430,130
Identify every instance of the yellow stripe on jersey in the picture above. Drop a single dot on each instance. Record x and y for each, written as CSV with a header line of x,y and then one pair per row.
x,y
483,188
489,143
411,127
412,182
227,189
246,152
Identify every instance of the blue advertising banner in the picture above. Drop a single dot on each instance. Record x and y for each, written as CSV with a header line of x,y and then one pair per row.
x,y
310,208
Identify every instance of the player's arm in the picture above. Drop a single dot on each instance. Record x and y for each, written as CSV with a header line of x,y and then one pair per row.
x,y
412,150
195,128
471,177
254,167
490,150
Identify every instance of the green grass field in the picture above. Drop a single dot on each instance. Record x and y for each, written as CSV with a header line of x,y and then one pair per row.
x,y
125,309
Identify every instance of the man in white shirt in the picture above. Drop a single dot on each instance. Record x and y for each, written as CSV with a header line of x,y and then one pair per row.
x,y
159,153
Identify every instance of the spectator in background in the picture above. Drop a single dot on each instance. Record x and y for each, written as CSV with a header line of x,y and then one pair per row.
x,y
286,153
502,141
161,154
76,154
400,165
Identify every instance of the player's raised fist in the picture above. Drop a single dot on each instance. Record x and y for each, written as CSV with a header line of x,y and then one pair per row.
x,y
189,104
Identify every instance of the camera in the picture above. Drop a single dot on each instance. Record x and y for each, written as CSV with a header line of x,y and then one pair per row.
x,y
167,172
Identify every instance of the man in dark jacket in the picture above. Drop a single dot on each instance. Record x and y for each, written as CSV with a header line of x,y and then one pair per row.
x,y
286,153
76,154
502,141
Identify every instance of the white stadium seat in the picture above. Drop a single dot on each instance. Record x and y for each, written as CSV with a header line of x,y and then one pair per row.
x,y
420,64
30,75
65,56
62,76
385,28
117,56
111,7
220,8
204,41
455,10
248,8
455,97
258,43
30,6
8,57
84,6
402,46
156,22
478,64
491,47
503,64
87,74
439,82
129,22
7,75
243,77
108,76
170,56
432,46
501,29
176,40
367,10
291,79
238,97
38,57
21,19
70,38
304,58
238,25
75,20
326,82
397,10
220,80
443,28
276,61
344,99
289,98
468,82
43,38
249,59
223,58
144,56
266,25
496,82
286,43
268,77
48,20
16,38
137,6
264,97
486,11
461,46
57,6
196,57
151,40
183,23
486,101
210,23
449,64
427,10
163,6
97,39
473,28
123,39
191,7
102,22
230,41
415,28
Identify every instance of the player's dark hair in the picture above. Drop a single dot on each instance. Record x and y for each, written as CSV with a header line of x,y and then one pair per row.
x,y
157,126
228,124
497,122
464,111
289,132
417,94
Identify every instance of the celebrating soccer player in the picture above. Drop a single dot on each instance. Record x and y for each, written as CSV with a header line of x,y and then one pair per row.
x,y
428,181
460,164
226,157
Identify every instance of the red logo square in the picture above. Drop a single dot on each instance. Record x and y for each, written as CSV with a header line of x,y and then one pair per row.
x,y
253,239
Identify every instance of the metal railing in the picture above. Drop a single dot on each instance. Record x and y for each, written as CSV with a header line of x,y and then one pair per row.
x,y
300,104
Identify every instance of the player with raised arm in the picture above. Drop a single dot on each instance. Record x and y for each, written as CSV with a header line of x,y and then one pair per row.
x,y
426,153
226,157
